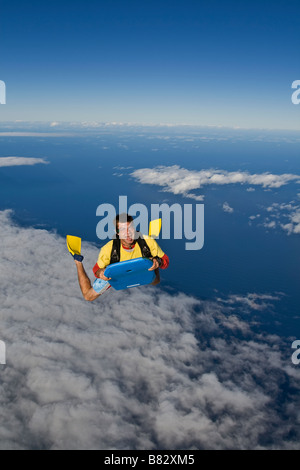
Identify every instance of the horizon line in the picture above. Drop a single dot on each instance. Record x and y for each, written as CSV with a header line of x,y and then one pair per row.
x,y
99,124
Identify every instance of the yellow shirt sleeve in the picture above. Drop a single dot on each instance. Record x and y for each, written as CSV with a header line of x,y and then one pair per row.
x,y
104,255
154,247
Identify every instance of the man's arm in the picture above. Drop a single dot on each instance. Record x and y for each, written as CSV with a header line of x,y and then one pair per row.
x,y
164,262
160,259
103,261
99,272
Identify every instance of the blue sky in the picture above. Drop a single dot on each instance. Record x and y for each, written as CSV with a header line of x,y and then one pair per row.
x,y
219,63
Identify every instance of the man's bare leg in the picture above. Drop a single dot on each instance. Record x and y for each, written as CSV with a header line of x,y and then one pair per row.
x,y
85,284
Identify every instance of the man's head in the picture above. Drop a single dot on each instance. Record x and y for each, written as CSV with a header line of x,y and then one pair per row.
x,y
125,228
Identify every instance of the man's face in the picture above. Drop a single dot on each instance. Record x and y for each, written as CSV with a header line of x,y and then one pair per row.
x,y
126,231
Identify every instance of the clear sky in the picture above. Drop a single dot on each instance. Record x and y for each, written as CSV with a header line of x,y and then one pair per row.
x,y
227,63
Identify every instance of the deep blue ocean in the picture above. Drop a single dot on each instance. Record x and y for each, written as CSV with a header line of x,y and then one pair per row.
x,y
239,257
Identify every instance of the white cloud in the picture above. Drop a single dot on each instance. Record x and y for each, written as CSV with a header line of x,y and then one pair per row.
x,y
20,161
227,208
295,220
270,224
35,134
179,180
138,369
258,302
286,214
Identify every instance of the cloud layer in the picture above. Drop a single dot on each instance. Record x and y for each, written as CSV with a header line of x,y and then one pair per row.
x,y
179,180
140,369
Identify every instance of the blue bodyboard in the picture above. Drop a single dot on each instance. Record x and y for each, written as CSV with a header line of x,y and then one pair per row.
x,y
131,273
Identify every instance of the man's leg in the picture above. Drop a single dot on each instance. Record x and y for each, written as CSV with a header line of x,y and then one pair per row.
x,y
85,284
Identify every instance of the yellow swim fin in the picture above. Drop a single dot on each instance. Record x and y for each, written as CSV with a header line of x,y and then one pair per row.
x,y
74,245
154,228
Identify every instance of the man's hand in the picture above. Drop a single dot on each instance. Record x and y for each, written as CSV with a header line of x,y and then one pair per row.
x,y
100,274
156,264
